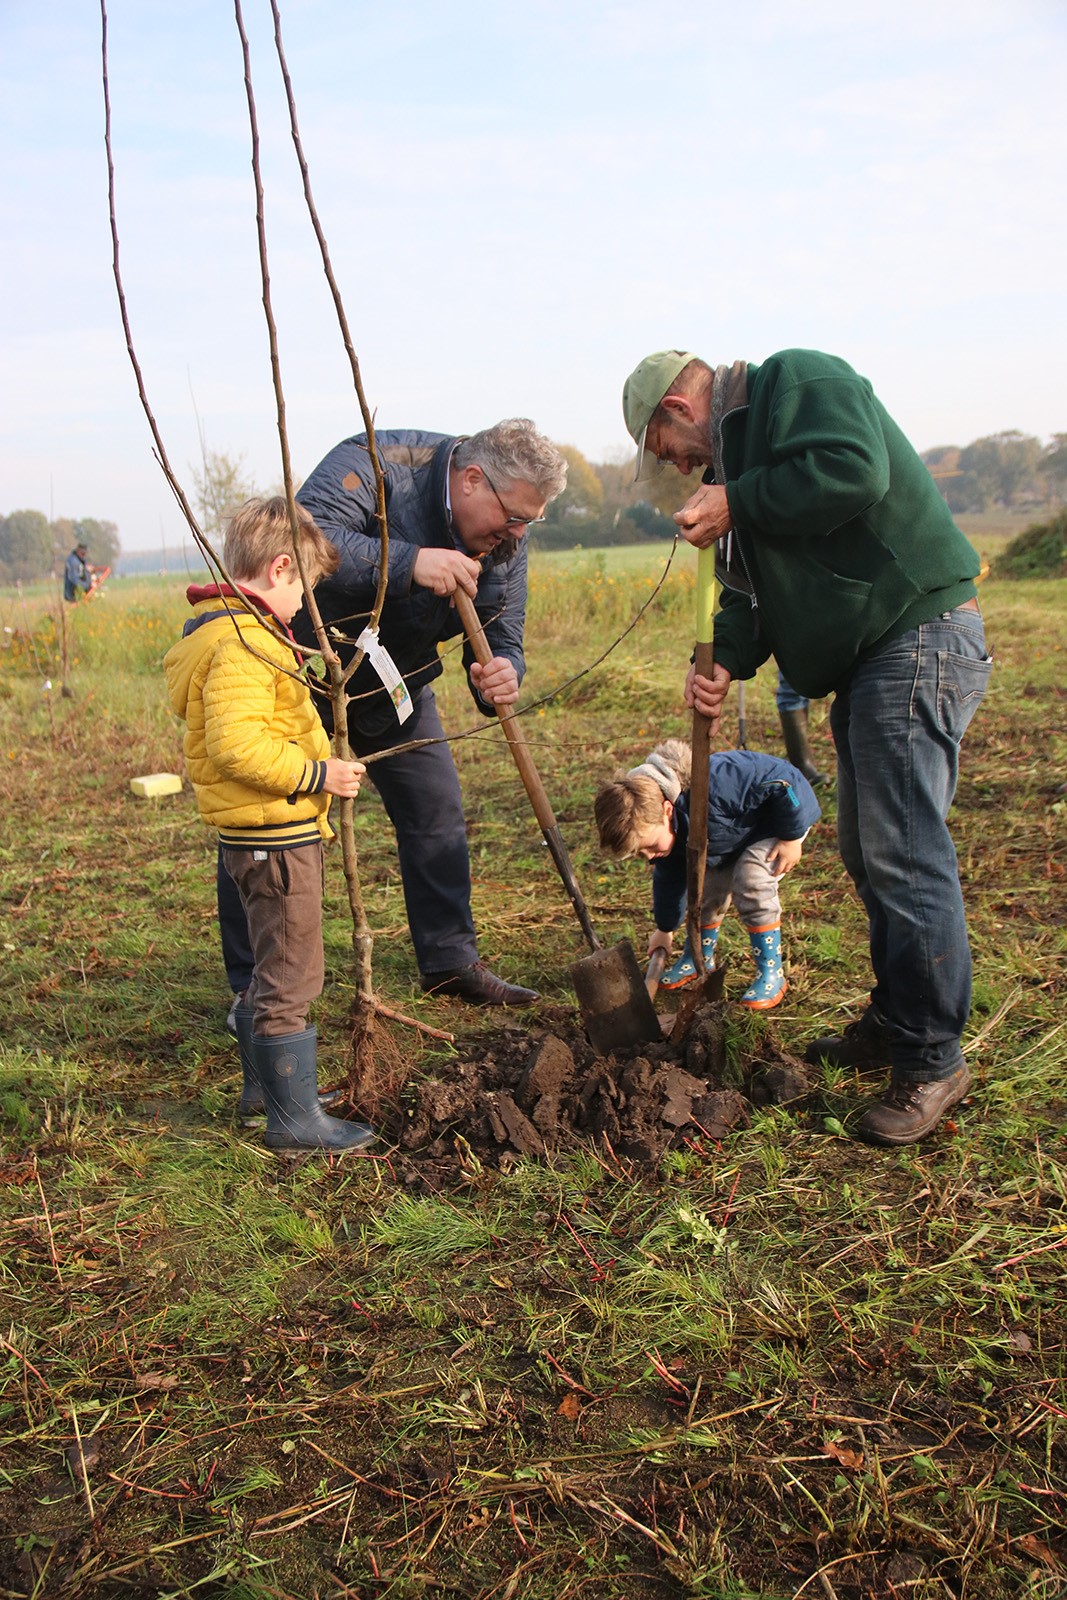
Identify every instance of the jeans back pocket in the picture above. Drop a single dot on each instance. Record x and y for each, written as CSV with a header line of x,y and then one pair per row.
x,y
961,683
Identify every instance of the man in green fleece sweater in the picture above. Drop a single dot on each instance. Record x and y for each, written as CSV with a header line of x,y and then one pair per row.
x,y
838,557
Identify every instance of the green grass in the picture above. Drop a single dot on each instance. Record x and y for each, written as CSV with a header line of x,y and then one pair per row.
x,y
786,1366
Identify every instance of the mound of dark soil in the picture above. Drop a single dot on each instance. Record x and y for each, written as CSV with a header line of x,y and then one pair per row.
x,y
529,1093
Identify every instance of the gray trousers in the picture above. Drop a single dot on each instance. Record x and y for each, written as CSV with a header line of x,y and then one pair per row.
x,y
751,884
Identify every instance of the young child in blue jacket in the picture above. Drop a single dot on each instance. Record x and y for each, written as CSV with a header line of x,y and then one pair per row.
x,y
760,809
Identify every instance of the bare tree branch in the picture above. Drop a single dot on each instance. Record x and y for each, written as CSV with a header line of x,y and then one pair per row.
x,y
365,1004
213,560
342,321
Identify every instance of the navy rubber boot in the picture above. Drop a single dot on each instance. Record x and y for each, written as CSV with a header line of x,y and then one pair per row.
x,y
252,1106
286,1066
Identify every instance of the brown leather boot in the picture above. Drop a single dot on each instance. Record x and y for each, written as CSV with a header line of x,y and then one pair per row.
x,y
907,1112
862,1046
478,986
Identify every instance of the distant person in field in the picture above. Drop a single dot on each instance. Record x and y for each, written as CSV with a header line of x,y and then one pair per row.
x,y
77,573
458,512
759,812
260,762
838,556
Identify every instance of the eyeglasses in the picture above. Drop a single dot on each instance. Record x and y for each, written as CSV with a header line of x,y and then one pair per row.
x,y
510,519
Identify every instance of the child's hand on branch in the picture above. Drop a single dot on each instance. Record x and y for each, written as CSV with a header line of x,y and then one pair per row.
x,y
784,857
343,778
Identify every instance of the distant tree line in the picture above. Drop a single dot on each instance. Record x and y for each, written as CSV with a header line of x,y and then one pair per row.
x,y
1012,470
32,547
601,505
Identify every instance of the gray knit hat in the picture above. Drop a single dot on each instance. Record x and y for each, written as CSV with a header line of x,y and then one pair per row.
x,y
670,767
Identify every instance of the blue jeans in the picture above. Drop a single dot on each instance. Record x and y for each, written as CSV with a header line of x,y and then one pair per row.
x,y
786,697
421,794
898,723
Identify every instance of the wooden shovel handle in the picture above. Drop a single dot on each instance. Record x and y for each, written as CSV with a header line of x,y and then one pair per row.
x,y
513,731
654,971
531,779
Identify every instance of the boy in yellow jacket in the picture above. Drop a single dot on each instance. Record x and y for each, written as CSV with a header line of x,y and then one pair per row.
x,y
260,762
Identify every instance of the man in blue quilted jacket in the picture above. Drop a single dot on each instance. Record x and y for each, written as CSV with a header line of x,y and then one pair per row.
x,y
458,510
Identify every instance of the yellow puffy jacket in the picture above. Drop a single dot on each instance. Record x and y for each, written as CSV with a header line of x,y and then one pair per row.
x,y
254,745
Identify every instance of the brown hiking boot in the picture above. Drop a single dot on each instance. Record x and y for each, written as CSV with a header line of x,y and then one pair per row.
x,y
478,986
907,1112
861,1046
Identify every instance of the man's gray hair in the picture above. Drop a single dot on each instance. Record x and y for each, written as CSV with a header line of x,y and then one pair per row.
x,y
514,452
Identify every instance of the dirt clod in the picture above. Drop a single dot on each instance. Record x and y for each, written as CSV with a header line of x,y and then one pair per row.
x,y
551,1066
529,1094
779,1085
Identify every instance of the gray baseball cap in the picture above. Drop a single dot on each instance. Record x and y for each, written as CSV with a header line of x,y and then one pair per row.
x,y
641,394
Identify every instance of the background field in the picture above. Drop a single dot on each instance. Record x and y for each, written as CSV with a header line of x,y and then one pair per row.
x,y
787,1365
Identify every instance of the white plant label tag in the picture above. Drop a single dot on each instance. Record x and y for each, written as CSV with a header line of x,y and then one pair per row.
x,y
385,667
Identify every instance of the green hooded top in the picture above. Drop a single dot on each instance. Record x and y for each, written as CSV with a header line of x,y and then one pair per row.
x,y
841,540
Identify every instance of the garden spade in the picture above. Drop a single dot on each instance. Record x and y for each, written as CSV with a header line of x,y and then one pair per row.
x,y
616,1007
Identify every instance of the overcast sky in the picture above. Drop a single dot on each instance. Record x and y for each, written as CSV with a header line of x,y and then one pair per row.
x,y
520,202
